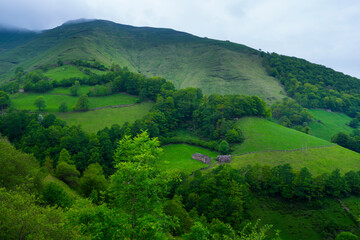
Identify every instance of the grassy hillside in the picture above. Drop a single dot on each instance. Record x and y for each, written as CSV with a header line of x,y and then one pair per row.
x,y
178,157
261,134
214,66
263,137
92,121
327,124
317,160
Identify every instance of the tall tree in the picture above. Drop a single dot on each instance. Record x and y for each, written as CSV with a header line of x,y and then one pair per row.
x,y
82,103
40,103
139,189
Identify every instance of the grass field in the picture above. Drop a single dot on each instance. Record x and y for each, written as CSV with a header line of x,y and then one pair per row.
x,y
261,134
331,123
65,71
301,220
25,101
317,160
92,121
178,156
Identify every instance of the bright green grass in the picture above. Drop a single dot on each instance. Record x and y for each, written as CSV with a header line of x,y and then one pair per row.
x,y
84,89
178,156
49,178
25,101
261,134
317,160
331,124
92,121
300,220
65,71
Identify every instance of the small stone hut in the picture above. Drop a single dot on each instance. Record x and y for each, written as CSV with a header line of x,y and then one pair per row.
x,y
202,158
223,158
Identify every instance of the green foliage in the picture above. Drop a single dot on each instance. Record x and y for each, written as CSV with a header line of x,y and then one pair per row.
x,y
65,157
93,179
224,147
291,114
346,236
140,149
354,123
55,195
63,107
82,103
67,173
96,222
75,88
22,218
315,86
175,208
139,189
4,100
16,168
219,194
198,232
40,103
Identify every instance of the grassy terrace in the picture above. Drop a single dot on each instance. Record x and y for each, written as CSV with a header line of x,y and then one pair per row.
x,y
25,101
92,121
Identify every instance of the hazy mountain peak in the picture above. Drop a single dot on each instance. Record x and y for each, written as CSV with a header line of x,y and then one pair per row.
x,y
76,21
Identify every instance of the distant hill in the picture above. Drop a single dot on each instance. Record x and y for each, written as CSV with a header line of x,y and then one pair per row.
x,y
186,60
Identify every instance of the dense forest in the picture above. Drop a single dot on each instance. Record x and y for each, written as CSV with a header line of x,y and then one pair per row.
x,y
315,86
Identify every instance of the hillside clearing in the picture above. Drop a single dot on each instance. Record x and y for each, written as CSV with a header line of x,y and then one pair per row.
x,y
25,101
262,135
178,157
330,124
92,121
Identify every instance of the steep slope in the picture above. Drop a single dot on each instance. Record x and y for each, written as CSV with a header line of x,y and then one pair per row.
x,y
186,60
272,144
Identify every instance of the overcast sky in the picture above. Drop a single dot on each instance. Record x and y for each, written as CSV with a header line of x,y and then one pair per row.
x,y
326,32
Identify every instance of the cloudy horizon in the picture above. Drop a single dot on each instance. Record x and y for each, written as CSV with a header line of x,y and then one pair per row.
x,y
322,32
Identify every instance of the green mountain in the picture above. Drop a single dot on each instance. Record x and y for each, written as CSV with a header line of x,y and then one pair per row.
x,y
186,60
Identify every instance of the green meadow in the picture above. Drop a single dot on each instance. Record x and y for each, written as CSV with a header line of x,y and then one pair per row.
x,y
179,157
25,101
327,124
261,134
92,121
65,71
317,160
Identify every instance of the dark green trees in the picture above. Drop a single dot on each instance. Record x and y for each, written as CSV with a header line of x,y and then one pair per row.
x,y
82,103
40,103
4,100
